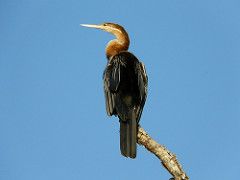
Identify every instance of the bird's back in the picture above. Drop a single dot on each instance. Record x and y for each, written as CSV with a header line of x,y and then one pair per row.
x,y
123,79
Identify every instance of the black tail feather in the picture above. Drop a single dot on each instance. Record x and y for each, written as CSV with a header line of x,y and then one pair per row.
x,y
128,138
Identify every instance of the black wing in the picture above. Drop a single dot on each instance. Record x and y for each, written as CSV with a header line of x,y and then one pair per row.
x,y
111,78
142,84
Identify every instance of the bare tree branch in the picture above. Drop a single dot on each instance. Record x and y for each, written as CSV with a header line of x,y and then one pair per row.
x,y
168,159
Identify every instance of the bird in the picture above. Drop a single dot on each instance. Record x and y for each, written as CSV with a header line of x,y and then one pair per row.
x,y
125,86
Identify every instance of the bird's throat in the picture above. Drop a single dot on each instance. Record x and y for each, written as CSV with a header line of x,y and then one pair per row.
x,y
115,46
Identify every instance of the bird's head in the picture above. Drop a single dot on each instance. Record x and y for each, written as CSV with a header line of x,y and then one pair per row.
x,y
108,27
121,43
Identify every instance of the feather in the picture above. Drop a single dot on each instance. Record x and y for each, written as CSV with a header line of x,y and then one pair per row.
x,y
125,87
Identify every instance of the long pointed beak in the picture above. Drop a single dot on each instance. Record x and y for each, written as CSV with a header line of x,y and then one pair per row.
x,y
92,26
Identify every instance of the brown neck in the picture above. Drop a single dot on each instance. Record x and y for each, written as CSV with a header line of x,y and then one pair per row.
x,y
121,43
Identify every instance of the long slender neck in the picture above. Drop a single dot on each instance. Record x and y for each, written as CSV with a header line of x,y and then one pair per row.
x,y
115,46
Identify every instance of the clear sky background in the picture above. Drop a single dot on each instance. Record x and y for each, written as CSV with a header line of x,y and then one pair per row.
x,y
53,123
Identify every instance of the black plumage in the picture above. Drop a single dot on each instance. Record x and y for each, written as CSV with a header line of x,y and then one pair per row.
x,y
125,87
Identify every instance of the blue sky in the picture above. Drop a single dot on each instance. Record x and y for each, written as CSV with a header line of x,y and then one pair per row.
x,y
53,123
